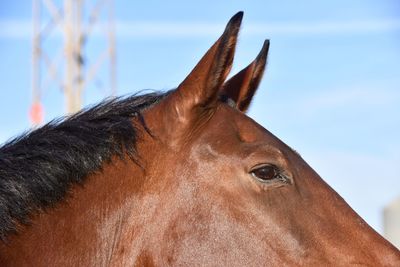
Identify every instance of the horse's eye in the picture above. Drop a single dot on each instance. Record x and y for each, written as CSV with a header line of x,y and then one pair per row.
x,y
265,173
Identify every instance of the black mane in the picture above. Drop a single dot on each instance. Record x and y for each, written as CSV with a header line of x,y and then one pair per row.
x,y
38,167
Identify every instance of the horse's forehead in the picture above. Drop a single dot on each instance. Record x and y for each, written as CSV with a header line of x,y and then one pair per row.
x,y
231,122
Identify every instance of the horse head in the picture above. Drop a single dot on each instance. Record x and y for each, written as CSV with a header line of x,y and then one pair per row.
x,y
237,195
203,185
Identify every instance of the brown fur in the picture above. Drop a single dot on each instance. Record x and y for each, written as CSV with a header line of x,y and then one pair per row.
x,y
194,202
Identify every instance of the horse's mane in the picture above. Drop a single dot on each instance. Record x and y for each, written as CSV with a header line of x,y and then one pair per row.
x,y
38,168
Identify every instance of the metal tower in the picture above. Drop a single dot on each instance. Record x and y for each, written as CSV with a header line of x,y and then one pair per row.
x,y
71,70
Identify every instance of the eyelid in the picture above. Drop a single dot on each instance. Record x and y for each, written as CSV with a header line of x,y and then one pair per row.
x,y
265,154
261,165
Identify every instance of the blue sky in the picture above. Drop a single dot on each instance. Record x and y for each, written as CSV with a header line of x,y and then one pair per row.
x,y
331,91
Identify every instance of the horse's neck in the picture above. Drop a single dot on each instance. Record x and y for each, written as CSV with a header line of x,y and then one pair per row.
x,y
86,227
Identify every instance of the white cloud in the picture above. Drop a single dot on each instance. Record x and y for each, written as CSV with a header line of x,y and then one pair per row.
x,y
17,29
377,98
132,29
325,27
371,96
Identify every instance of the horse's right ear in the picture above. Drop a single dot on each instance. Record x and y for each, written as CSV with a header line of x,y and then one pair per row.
x,y
196,97
242,87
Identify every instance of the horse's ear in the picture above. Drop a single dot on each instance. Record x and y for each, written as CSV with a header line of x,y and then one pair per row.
x,y
197,95
242,87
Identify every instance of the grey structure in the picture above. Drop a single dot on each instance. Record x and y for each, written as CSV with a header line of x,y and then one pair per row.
x,y
391,222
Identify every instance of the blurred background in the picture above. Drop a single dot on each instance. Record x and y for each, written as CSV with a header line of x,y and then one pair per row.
x,y
331,90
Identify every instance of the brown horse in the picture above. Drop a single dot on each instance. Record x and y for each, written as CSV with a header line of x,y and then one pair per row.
x,y
180,178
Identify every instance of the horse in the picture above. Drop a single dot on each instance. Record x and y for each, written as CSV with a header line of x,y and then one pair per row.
x,y
178,178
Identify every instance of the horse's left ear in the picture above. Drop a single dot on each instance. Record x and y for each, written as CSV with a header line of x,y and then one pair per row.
x,y
242,87
196,97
